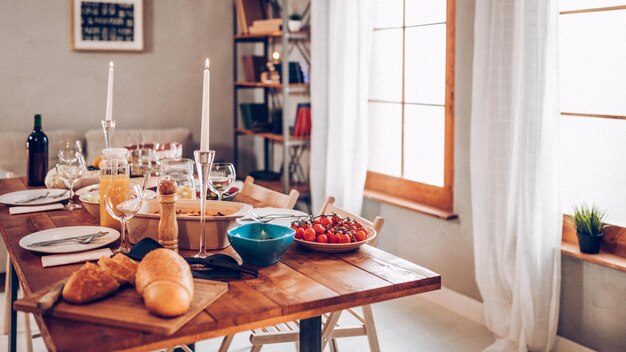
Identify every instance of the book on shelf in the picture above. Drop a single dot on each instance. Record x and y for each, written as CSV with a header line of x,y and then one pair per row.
x,y
252,67
249,11
302,125
266,26
254,116
296,75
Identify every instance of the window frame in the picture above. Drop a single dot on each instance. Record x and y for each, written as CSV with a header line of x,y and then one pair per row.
x,y
441,198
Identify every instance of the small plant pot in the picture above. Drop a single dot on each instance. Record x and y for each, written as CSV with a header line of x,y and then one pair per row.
x,y
590,244
294,25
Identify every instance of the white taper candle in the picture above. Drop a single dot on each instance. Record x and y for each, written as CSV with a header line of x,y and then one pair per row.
x,y
109,110
204,136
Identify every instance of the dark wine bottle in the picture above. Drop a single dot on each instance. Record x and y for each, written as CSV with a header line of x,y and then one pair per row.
x,y
37,153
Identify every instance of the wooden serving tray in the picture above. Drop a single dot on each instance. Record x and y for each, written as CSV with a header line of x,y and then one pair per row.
x,y
125,309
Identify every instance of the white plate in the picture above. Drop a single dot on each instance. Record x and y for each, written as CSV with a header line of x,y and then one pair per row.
x,y
54,196
65,232
269,211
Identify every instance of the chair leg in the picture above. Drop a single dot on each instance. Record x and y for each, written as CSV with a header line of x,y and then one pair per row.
x,y
256,348
7,298
28,334
370,328
228,339
329,327
333,345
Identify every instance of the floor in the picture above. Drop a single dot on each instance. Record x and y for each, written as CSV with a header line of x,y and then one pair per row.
x,y
405,324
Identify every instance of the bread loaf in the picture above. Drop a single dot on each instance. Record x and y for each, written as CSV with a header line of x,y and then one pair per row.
x,y
165,282
92,282
88,284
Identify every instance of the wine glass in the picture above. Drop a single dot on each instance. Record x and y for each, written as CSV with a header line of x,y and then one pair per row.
x,y
122,202
222,176
70,167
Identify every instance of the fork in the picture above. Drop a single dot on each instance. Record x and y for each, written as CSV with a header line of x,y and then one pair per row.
x,y
28,200
84,239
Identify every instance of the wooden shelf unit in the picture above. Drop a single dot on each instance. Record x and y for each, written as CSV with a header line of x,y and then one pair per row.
x,y
276,96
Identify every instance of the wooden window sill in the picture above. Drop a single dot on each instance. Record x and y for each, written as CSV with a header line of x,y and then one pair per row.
x,y
603,258
409,205
612,252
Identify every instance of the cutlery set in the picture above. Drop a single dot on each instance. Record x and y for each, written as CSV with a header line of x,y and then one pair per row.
x,y
42,196
264,219
83,239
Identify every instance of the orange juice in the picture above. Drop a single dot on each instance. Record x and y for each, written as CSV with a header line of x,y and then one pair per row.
x,y
106,181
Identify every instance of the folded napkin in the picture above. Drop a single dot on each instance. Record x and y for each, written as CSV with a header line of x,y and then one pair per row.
x,y
34,209
70,258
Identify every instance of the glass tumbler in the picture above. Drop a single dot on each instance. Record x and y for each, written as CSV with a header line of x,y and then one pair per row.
x,y
181,171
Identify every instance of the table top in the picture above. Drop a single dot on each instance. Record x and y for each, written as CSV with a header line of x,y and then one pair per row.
x,y
302,285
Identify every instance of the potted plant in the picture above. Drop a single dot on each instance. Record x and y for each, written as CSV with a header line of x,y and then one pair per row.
x,y
295,22
589,225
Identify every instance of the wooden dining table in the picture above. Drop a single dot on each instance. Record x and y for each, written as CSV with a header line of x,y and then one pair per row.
x,y
303,285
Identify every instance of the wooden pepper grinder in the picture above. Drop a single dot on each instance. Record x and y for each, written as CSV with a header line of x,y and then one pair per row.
x,y
168,226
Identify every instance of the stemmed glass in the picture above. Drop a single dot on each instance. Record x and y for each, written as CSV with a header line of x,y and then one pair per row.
x,y
222,176
122,203
70,167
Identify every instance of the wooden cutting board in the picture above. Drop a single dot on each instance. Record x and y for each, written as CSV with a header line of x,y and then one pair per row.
x,y
126,309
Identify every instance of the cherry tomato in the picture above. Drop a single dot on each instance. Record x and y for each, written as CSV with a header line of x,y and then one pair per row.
x,y
321,239
319,229
309,235
299,233
316,221
332,238
344,239
360,236
326,221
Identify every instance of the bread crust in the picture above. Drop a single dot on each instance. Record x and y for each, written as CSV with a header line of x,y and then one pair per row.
x,y
164,280
88,284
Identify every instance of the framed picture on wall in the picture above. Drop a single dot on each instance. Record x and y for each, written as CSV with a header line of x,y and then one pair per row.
x,y
107,25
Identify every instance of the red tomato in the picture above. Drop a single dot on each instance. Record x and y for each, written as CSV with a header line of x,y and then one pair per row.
x,y
309,235
326,221
319,229
321,239
299,233
316,221
360,236
344,239
332,238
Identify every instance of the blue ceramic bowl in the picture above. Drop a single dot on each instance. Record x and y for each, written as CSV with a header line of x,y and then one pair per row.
x,y
260,244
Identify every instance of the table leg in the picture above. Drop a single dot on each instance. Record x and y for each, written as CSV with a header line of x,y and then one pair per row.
x,y
311,334
13,297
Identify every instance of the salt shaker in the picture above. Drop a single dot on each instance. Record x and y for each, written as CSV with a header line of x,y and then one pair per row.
x,y
168,226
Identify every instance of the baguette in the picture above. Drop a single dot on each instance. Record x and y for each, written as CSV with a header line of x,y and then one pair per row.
x,y
165,282
92,282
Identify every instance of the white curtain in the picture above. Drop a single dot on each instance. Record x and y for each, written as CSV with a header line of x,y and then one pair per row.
x,y
341,32
514,163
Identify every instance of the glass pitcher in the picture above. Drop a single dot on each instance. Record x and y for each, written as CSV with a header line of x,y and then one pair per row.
x,y
114,171
181,171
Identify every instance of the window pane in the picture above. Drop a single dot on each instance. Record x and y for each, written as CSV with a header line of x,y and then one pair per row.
x,y
425,64
388,13
592,167
385,138
592,62
386,66
569,5
425,11
424,133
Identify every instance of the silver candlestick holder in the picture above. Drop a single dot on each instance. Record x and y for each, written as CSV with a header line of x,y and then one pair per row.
x,y
204,161
108,126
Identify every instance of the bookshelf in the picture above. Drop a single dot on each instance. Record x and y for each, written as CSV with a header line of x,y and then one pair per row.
x,y
290,147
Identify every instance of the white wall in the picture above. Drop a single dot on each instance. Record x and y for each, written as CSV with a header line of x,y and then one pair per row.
x,y
158,88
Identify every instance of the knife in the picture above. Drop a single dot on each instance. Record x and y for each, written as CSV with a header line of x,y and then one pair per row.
x,y
61,240
48,300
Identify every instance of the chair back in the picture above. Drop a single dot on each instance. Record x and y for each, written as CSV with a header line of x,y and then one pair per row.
x,y
330,207
270,197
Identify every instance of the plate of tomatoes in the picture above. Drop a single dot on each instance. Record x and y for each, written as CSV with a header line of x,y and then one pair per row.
x,y
331,233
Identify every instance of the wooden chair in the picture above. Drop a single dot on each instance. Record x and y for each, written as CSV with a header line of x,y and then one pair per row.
x,y
270,197
331,330
273,199
8,284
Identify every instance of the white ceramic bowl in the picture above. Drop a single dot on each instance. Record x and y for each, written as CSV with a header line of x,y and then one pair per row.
x,y
91,202
146,222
